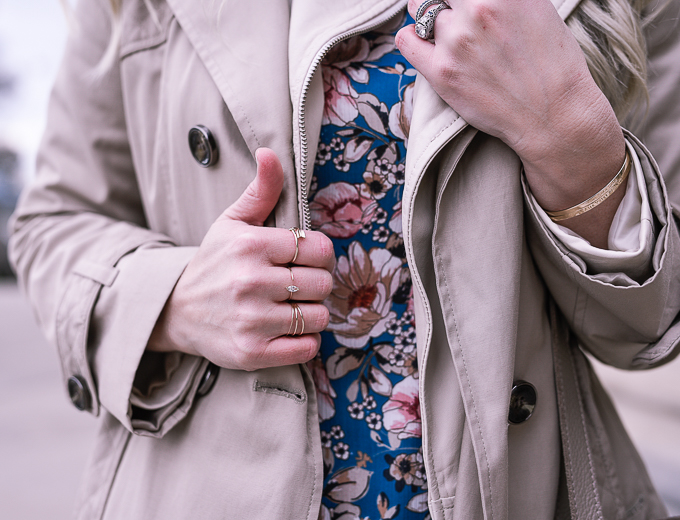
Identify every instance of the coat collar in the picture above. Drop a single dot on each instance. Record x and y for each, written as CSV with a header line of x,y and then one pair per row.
x,y
290,33
262,82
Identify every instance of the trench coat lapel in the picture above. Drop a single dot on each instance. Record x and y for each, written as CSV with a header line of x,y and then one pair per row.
x,y
246,54
254,86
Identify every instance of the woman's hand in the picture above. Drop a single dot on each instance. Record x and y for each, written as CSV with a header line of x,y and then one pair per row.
x,y
513,69
230,304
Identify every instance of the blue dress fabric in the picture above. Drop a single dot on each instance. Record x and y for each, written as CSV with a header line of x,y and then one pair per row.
x,y
367,372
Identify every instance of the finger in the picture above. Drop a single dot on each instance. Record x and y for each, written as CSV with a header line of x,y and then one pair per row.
x,y
291,350
413,6
310,318
419,52
260,197
312,284
278,246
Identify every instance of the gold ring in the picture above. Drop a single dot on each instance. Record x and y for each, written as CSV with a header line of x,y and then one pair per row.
x,y
292,288
295,320
298,234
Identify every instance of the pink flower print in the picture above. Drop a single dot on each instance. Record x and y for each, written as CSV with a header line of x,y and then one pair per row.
x,y
401,413
350,55
395,221
346,52
339,210
376,185
324,391
340,105
401,114
361,301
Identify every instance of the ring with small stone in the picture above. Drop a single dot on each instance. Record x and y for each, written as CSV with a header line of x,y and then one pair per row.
x,y
298,234
295,320
425,5
292,288
425,24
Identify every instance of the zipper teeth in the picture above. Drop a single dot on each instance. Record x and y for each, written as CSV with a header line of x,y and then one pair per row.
x,y
304,147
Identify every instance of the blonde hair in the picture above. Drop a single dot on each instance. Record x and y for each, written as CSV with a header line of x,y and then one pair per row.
x,y
608,31
610,35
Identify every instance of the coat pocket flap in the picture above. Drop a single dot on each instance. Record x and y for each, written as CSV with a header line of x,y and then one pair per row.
x,y
101,274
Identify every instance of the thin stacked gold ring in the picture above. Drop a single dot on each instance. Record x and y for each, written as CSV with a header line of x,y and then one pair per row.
x,y
298,234
296,320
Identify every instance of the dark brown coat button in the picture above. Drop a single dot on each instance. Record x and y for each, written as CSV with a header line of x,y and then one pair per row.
x,y
208,379
203,146
78,392
522,402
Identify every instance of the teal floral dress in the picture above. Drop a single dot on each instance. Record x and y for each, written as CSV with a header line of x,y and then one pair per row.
x,y
367,372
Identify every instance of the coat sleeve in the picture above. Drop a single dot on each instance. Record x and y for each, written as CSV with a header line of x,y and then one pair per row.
x,y
630,319
96,276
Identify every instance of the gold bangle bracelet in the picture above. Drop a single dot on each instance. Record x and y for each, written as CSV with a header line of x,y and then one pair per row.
x,y
596,199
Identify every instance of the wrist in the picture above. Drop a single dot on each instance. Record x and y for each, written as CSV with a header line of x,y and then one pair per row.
x,y
578,159
165,336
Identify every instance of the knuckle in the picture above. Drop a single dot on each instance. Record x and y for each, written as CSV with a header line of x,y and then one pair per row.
x,y
309,346
242,325
259,355
242,358
325,284
483,11
250,318
248,242
447,74
243,284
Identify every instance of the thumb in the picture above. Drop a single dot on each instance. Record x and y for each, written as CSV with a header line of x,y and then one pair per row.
x,y
260,197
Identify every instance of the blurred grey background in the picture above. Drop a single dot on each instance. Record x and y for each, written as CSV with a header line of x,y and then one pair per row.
x,y
44,441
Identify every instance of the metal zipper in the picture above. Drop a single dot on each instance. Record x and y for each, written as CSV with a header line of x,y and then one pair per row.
x,y
306,220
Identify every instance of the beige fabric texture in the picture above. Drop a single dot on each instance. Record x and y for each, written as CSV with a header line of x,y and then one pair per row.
x,y
119,206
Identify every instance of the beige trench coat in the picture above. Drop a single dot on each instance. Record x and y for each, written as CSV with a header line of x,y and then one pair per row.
x,y
119,207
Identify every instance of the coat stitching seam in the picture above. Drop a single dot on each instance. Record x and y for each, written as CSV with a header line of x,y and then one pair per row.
x,y
651,356
583,423
559,380
467,375
114,471
311,497
423,295
433,139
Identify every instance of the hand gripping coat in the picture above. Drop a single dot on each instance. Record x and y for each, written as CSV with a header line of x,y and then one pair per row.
x,y
119,207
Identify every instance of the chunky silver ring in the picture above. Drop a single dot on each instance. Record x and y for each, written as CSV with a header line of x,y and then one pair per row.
x,y
292,288
425,24
298,234
425,5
